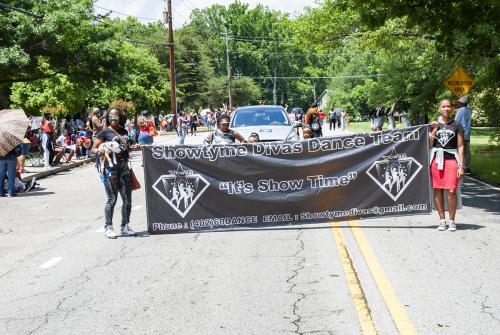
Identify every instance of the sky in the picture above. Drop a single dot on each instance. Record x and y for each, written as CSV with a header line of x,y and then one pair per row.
x,y
151,10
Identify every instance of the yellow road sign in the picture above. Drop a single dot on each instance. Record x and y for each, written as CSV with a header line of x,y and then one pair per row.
x,y
459,83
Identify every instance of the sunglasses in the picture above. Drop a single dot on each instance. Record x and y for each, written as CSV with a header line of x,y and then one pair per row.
x,y
114,117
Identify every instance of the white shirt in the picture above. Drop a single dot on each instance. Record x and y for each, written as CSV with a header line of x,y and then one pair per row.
x,y
60,140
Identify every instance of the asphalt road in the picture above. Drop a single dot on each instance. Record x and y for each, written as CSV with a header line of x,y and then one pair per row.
x,y
59,275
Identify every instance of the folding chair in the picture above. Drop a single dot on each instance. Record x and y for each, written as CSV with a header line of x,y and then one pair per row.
x,y
35,156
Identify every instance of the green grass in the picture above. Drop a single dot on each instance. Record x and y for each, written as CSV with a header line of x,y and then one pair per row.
x,y
485,155
364,127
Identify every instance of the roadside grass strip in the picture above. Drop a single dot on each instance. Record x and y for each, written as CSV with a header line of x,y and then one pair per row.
x,y
397,311
358,296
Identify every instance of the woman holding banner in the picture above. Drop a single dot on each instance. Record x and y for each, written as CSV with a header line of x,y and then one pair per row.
x,y
446,141
312,119
224,135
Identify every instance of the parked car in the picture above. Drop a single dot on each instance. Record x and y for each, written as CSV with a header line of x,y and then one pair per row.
x,y
271,123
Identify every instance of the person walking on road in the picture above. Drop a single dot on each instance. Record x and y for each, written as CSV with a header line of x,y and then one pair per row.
x,y
321,117
391,121
344,120
312,119
446,141
182,127
332,119
464,117
194,123
379,116
338,116
224,135
117,177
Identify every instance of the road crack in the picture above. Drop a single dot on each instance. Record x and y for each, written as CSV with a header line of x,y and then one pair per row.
x,y
78,282
291,281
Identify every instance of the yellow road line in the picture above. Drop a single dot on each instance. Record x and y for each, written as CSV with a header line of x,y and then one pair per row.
x,y
358,296
397,311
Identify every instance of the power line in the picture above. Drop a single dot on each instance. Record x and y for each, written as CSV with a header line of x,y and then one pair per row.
x,y
259,40
336,77
283,42
146,5
282,53
179,13
125,14
263,38
190,61
190,4
20,10
147,43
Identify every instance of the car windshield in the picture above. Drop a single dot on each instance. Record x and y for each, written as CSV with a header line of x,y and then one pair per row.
x,y
260,117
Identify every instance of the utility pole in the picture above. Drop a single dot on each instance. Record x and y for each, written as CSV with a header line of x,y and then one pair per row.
x,y
173,100
228,71
275,92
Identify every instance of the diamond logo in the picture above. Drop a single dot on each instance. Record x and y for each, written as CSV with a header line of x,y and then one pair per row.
x,y
181,189
394,173
444,136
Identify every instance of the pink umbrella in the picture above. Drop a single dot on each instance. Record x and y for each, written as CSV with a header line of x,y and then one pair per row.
x,y
13,126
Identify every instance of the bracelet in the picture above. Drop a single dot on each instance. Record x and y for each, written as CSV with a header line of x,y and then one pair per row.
x,y
460,166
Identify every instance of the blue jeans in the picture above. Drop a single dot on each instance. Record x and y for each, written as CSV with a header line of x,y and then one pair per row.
x,y
118,182
182,136
8,166
145,139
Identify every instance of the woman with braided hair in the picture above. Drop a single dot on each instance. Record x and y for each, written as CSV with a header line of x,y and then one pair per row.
x,y
116,177
312,119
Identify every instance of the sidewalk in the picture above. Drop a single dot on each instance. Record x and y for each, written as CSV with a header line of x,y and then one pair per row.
x,y
41,172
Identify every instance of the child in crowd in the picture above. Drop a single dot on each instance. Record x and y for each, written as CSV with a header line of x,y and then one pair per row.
x,y
307,132
83,143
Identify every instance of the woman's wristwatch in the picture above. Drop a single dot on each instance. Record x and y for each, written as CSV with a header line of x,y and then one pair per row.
x,y
460,166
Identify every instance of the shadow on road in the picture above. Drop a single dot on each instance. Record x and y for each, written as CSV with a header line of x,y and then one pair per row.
x,y
34,193
139,234
479,196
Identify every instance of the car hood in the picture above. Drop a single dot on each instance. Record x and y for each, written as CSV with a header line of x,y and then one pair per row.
x,y
268,133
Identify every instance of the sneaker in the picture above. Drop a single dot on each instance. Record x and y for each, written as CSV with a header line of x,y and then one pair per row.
x,y
452,226
109,232
442,225
126,231
31,185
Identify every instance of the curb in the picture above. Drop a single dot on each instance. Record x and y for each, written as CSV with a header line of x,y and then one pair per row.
x,y
43,174
488,183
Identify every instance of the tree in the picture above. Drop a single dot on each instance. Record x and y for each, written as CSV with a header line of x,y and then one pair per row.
x,y
244,91
193,67
54,91
469,26
261,44
55,37
143,81
410,47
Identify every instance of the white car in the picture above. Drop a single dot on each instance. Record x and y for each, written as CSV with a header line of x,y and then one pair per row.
x,y
271,123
